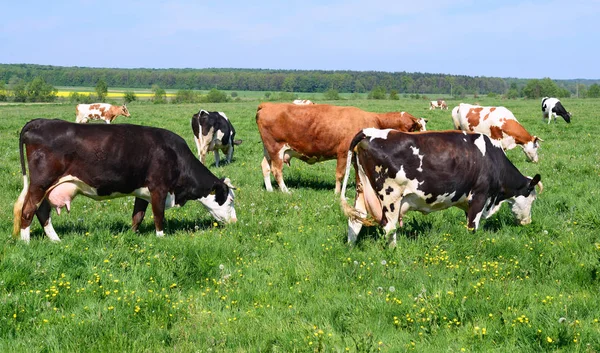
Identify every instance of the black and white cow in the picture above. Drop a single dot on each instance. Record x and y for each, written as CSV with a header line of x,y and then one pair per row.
x,y
213,132
397,172
108,161
553,107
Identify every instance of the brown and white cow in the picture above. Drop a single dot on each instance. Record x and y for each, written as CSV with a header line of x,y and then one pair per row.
x,y
316,133
99,111
498,123
213,132
108,161
440,103
397,172
302,101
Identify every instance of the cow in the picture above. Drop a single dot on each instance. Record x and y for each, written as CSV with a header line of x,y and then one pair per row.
x,y
302,101
107,161
213,132
440,103
99,111
315,133
553,107
397,172
499,124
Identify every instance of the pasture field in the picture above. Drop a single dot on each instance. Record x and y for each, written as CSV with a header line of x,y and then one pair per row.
x,y
283,279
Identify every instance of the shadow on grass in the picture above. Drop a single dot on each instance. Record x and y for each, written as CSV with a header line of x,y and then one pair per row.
x,y
297,182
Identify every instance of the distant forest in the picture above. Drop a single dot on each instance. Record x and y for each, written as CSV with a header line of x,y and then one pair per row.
x,y
274,80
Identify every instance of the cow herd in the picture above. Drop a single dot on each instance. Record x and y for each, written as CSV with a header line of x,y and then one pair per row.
x,y
399,166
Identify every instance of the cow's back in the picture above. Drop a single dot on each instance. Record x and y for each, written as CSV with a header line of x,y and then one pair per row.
x,y
317,129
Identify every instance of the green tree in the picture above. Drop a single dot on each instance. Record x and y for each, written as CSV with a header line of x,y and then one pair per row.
x,y
513,91
129,97
377,93
216,96
594,91
394,95
536,89
160,96
40,91
19,90
3,93
332,94
101,90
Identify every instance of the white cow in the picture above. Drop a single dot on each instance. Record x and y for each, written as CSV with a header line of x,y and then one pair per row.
x,y
440,103
553,107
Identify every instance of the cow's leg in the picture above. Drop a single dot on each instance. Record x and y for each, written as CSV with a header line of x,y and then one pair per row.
x,y
158,198
277,170
475,212
34,196
43,215
139,211
354,226
266,170
217,157
392,216
340,170
229,153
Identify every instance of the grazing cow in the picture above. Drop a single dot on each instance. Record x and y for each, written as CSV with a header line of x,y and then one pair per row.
x,y
213,132
499,124
438,104
108,161
315,133
397,172
302,101
553,107
99,111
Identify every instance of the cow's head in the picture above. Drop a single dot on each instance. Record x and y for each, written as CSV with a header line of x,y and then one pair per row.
x,y
220,201
125,111
531,148
420,125
567,117
521,203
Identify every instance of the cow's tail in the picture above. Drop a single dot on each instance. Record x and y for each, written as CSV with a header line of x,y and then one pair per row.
x,y
18,207
352,213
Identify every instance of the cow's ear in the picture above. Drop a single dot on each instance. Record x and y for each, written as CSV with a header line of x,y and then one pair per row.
x,y
227,182
220,191
536,179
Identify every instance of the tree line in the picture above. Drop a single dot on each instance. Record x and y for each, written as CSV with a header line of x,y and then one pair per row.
x,y
29,82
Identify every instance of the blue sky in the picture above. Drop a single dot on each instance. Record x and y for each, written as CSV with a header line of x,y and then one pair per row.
x,y
525,39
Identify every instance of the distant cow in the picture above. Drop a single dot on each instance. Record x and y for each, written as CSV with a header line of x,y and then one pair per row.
x,y
498,123
397,172
213,132
99,111
438,104
316,133
108,161
553,107
302,101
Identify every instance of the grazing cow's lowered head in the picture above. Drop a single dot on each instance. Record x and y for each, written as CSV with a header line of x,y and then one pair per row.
x,y
108,161
553,107
213,132
302,101
99,111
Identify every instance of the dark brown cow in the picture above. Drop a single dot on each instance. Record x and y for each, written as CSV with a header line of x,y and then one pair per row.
x,y
317,132
107,161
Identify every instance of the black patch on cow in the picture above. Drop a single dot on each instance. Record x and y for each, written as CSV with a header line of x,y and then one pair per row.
x,y
560,110
392,207
389,190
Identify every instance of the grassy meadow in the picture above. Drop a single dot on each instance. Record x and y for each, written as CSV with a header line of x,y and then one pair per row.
x,y
283,279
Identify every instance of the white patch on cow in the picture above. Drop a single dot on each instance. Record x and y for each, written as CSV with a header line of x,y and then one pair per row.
x,y
224,116
521,207
50,232
222,213
423,123
480,143
26,234
374,133
531,151
416,153
464,133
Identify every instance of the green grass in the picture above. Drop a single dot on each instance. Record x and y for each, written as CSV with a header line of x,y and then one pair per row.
x,y
283,279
